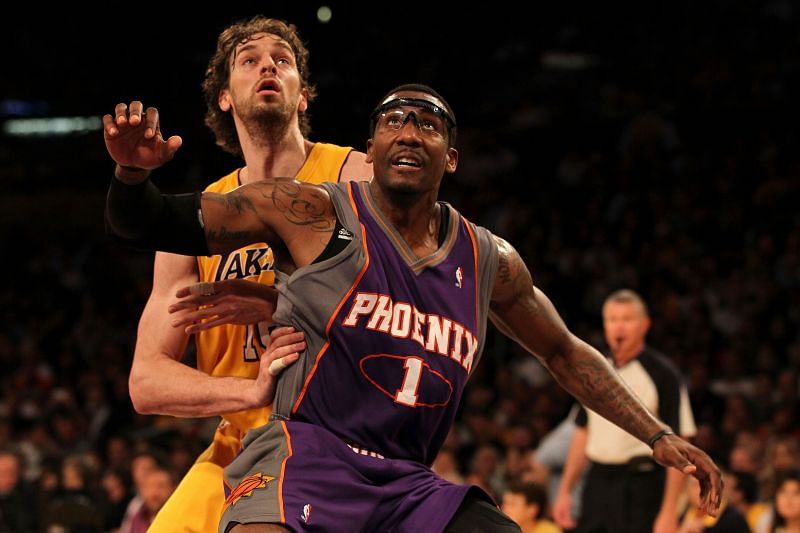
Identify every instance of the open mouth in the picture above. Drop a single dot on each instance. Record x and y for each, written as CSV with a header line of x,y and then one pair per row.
x,y
268,86
406,161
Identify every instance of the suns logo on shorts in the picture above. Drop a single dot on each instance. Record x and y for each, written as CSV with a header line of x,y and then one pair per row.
x,y
246,488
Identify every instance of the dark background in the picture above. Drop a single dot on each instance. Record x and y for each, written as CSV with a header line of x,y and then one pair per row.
x,y
647,148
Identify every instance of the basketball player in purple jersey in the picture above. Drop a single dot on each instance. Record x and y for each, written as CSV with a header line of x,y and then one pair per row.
x,y
393,291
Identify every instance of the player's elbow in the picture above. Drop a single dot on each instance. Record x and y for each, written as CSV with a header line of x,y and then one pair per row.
x,y
137,389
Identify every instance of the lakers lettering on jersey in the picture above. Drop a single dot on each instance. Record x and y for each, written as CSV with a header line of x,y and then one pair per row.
x,y
232,350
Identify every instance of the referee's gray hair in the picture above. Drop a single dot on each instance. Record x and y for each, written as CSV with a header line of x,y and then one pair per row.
x,y
627,296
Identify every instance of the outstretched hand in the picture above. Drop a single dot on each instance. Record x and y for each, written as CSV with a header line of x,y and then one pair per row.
x,y
233,301
133,137
673,451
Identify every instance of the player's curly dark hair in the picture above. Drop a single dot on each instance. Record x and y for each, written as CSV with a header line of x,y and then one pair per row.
x,y
219,72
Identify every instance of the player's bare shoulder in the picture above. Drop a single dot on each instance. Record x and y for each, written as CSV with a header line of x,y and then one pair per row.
x,y
513,276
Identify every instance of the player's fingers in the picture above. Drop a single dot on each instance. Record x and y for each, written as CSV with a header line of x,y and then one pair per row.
x,y
121,113
285,338
135,113
150,122
173,143
206,325
196,316
204,288
109,127
192,302
278,365
277,333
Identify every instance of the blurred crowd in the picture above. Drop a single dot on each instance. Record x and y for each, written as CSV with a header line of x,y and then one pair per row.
x,y
671,169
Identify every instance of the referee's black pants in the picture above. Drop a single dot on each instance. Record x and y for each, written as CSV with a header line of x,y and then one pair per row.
x,y
622,498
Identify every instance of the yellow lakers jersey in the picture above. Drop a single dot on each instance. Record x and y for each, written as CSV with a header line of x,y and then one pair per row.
x,y
234,350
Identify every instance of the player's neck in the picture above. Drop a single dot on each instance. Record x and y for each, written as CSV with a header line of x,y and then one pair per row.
x,y
416,218
271,158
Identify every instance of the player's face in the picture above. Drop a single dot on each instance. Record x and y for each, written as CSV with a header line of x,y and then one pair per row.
x,y
264,81
409,147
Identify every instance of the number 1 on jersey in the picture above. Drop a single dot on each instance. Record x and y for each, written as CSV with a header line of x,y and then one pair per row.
x,y
407,394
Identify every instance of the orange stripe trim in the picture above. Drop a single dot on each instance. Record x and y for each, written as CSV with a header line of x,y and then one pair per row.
x,y
338,308
283,469
352,199
475,255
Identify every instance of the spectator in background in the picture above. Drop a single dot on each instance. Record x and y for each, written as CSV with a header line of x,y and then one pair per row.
x,y
551,455
742,489
446,466
17,501
142,464
116,496
782,453
75,506
526,504
156,488
786,503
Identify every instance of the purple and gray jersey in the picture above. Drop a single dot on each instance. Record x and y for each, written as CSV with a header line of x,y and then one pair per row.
x,y
391,338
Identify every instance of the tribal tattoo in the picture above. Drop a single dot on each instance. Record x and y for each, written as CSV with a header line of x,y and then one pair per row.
x,y
303,206
298,204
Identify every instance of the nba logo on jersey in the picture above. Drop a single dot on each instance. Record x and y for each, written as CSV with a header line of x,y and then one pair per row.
x,y
459,276
305,516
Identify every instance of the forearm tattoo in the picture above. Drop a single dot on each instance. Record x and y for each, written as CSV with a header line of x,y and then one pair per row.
x,y
606,393
235,204
223,235
301,206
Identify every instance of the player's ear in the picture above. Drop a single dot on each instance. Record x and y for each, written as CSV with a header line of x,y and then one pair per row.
x,y
370,144
224,100
452,160
302,105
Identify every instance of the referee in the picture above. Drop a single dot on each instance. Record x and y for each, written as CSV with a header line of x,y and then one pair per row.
x,y
626,491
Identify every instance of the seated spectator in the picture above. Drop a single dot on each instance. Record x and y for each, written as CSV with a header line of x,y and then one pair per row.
x,y
526,504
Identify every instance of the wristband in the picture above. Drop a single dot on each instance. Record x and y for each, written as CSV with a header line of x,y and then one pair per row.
x,y
658,436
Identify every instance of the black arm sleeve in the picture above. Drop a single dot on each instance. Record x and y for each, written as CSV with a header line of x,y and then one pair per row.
x,y
139,215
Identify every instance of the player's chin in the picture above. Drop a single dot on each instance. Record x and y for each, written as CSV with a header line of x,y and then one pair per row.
x,y
405,182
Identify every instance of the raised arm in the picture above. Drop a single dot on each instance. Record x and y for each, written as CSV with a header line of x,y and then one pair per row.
x,y
280,211
524,313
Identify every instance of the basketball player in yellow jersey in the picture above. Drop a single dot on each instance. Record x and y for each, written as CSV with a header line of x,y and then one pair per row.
x,y
257,92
